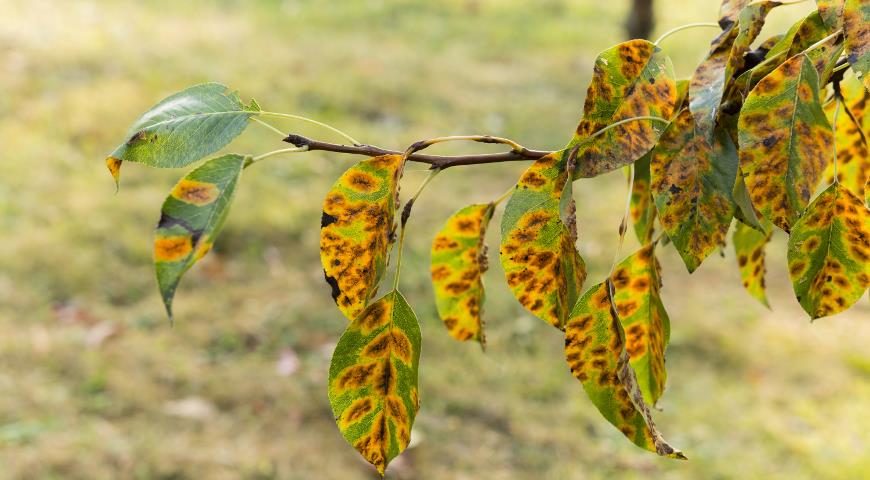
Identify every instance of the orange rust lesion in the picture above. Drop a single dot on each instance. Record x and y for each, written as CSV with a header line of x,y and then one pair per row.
x,y
172,249
391,342
373,446
360,181
356,411
195,192
357,376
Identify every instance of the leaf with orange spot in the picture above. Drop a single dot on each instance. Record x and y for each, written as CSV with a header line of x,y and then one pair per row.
x,y
831,12
829,252
191,219
631,79
853,159
356,230
458,264
642,208
749,245
646,324
595,352
856,28
692,183
373,379
785,141
541,264
184,128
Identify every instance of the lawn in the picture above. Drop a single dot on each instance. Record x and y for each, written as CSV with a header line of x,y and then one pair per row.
x,y
95,384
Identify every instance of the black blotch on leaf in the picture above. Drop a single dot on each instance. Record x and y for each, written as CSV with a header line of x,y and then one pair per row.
x,y
327,220
333,283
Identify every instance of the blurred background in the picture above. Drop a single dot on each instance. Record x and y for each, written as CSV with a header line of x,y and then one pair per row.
x,y
95,384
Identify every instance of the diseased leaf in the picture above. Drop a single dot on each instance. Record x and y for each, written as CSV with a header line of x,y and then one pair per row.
x,y
749,25
785,141
183,128
831,12
708,81
373,379
856,27
744,211
356,230
191,218
829,252
853,160
540,261
692,183
729,10
749,246
631,79
595,352
647,326
458,263
682,96
643,210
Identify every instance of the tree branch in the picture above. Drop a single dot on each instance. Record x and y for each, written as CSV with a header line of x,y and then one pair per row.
x,y
436,161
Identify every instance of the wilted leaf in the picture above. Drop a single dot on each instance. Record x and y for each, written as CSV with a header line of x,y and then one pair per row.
x,y
540,261
785,141
595,352
373,379
829,252
647,326
458,263
853,160
631,79
749,245
692,183
191,218
643,210
356,230
856,27
183,128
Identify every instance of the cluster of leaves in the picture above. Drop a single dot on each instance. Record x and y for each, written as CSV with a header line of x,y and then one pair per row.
x,y
750,138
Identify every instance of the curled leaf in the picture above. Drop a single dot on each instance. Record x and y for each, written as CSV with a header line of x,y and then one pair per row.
x,y
647,327
749,245
829,252
541,264
785,141
373,379
708,81
595,352
458,264
631,79
183,128
356,230
191,218
692,183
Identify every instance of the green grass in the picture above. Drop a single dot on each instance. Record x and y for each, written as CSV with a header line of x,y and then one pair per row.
x,y
752,393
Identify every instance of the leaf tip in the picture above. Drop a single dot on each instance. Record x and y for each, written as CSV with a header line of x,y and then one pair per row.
x,y
113,164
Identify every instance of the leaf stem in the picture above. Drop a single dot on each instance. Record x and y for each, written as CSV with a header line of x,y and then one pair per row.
x,y
310,120
834,122
277,152
623,121
685,27
823,41
623,226
504,196
406,213
269,126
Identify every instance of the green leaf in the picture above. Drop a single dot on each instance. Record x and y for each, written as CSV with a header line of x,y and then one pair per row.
x,y
647,326
595,352
373,379
458,264
853,160
183,128
631,79
643,210
692,183
856,27
356,230
829,252
785,141
191,219
749,245
540,261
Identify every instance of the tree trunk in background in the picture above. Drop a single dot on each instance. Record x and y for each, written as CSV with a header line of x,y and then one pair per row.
x,y
639,23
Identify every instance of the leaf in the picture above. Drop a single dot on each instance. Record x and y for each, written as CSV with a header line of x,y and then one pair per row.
x,y
356,230
631,79
831,12
708,81
458,264
183,128
829,252
643,210
191,219
540,262
785,141
856,27
729,10
853,160
682,96
749,246
692,183
595,352
647,327
749,25
373,379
